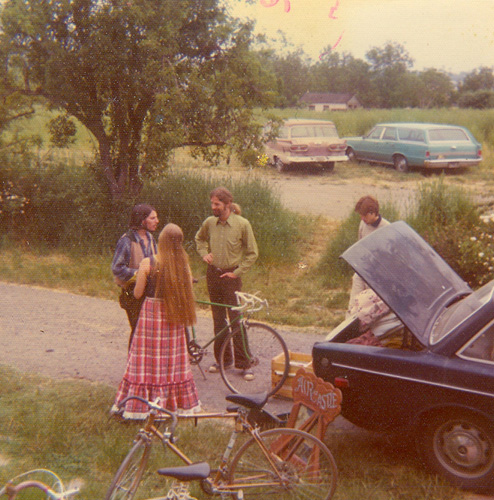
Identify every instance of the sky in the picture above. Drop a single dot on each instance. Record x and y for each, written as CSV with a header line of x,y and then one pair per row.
x,y
449,35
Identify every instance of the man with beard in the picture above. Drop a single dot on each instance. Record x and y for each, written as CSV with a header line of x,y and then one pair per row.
x,y
227,244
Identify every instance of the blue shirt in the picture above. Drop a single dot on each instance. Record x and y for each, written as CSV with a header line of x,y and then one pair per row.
x,y
122,258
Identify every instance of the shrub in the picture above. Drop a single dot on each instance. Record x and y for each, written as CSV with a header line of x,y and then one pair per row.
x,y
69,208
446,217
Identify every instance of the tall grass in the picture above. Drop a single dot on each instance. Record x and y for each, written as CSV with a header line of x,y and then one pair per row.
x,y
182,197
358,122
68,208
446,217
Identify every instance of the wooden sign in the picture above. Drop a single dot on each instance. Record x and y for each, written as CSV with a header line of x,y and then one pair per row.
x,y
319,396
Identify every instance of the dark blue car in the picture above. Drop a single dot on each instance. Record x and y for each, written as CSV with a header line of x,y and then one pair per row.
x,y
437,382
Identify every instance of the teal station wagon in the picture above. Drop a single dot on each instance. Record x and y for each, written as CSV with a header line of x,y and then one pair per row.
x,y
425,145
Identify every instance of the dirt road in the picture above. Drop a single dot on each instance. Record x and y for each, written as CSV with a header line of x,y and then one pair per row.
x,y
63,335
330,197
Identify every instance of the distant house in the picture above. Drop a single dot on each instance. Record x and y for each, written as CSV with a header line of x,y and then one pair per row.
x,y
320,101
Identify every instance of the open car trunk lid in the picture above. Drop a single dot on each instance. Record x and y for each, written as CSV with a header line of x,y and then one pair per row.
x,y
408,274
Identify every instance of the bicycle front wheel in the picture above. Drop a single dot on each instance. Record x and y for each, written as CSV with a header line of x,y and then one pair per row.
x,y
292,465
129,474
260,344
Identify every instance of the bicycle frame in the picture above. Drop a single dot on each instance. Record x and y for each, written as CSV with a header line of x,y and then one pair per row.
x,y
197,357
276,460
217,483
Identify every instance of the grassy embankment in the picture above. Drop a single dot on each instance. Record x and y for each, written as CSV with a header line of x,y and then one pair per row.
x,y
64,426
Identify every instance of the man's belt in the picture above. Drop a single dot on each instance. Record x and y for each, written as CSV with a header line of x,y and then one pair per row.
x,y
218,270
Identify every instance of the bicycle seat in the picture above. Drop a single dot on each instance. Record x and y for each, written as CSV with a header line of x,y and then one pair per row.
x,y
199,470
257,400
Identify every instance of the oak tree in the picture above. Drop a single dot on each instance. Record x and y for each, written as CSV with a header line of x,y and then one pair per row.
x,y
144,76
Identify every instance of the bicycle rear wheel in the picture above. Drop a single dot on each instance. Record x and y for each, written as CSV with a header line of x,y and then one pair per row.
x,y
303,467
129,474
261,343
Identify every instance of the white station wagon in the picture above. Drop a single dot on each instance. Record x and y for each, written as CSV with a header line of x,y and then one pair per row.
x,y
302,142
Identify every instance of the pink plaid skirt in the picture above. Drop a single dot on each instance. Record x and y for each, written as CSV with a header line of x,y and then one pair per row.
x,y
158,365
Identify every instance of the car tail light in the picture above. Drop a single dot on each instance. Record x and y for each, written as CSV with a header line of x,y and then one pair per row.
x,y
341,382
479,153
336,147
427,154
299,148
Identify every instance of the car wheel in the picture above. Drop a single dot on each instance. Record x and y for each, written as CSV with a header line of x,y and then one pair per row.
x,y
351,154
460,447
328,166
400,163
280,166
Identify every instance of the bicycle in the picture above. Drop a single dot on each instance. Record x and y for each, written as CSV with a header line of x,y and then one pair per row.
x,y
260,342
56,491
280,462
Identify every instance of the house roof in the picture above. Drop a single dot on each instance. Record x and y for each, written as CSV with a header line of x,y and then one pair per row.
x,y
325,98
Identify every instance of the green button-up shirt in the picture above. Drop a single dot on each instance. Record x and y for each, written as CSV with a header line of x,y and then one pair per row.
x,y
232,243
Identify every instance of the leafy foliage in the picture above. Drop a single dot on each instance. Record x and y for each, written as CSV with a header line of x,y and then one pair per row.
x,y
446,217
62,131
450,222
143,76
66,208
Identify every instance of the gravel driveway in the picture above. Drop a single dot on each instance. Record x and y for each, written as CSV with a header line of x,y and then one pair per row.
x,y
327,196
64,335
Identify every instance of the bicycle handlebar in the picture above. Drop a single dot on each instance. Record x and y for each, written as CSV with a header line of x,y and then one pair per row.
x,y
249,303
11,491
153,405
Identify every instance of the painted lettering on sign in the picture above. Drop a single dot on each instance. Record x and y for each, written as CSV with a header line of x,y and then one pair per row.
x,y
321,397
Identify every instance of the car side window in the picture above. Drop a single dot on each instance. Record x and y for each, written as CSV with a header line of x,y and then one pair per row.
x,y
418,135
447,134
390,134
481,347
405,133
375,133
283,133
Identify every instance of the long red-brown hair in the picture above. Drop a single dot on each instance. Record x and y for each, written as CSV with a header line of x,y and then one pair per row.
x,y
174,279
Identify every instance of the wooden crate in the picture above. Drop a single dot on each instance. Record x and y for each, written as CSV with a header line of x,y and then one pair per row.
x,y
297,360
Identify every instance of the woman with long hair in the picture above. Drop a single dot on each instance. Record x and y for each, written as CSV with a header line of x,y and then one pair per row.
x,y
158,363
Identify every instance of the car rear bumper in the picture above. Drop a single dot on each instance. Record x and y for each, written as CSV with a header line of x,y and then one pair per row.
x,y
313,159
452,163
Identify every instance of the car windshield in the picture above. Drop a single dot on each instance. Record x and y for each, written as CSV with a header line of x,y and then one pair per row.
x,y
375,133
447,134
459,312
314,131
